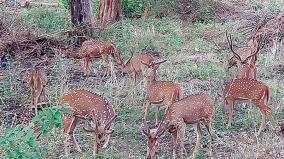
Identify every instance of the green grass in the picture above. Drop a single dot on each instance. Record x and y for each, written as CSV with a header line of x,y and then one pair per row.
x,y
45,19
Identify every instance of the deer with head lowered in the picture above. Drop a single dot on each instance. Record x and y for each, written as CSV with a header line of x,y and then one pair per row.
x,y
192,109
95,49
246,67
88,106
134,65
37,80
158,92
248,89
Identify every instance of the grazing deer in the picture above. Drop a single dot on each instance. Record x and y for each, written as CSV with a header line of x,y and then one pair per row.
x,y
133,65
189,110
88,106
98,50
158,92
37,80
248,89
246,68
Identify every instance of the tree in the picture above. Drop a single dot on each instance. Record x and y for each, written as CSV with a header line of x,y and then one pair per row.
x,y
109,11
81,14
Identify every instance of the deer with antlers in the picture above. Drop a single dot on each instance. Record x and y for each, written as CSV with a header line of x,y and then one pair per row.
x,y
88,106
246,67
95,49
158,92
248,89
37,80
192,109
134,65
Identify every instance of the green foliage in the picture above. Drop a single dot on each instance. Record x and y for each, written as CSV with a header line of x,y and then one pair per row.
x,y
50,117
45,19
18,143
133,7
64,3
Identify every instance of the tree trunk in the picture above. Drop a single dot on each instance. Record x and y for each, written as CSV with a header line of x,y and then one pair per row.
x,y
109,11
81,14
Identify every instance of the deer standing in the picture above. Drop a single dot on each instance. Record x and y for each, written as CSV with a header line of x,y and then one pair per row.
x,y
134,65
246,68
95,49
190,110
37,80
158,92
248,89
88,106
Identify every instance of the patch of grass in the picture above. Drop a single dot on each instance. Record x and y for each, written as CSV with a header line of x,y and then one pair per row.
x,y
158,34
45,19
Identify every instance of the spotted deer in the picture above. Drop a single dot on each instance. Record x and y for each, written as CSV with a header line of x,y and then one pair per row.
x,y
246,67
95,49
134,65
248,89
87,106
158,92
192,109
37,80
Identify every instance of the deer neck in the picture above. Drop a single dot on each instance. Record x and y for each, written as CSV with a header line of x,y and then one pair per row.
x,y
164,124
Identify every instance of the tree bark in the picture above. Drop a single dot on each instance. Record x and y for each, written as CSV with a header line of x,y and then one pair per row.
x,y
109,11
81,13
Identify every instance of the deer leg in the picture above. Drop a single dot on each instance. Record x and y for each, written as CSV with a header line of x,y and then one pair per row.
x,y
180,150
66,129
85,65
198,139
107,69
147,107
209,129
229,107
272,124
157,114
95,148
174,142
134,75
71,132
262,125
36,101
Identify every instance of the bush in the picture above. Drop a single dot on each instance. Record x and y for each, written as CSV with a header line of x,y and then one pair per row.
x,y
19,142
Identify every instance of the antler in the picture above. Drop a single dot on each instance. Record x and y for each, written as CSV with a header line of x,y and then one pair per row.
x,y
259,46
229,39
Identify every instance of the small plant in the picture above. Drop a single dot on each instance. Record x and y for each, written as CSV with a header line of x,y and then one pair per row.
x,y
19,143
50,117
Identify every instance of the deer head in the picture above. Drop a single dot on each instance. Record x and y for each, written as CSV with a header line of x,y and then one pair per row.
x,y
101,131
152,136
125,68
237,56
151,73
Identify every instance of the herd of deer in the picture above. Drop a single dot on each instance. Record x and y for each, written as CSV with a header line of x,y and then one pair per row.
x,y
180,111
